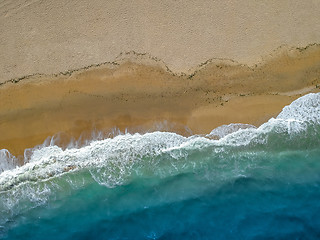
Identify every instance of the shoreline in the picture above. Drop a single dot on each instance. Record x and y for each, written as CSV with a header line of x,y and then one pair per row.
x,y
140,93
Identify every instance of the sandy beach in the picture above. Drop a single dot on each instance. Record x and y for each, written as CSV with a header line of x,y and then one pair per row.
x,y
71,68
53,36
139,93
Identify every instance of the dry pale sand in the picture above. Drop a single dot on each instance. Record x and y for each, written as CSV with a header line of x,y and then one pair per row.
x,y
140,93
50,36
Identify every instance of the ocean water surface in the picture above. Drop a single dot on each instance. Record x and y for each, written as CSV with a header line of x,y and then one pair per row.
x,y
252,183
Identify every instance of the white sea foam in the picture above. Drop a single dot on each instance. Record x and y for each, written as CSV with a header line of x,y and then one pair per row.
x,y
306,108
114,156
110,161
7,160
225,130
294,119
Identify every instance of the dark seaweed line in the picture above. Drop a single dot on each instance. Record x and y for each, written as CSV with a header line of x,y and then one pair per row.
x,y
189,76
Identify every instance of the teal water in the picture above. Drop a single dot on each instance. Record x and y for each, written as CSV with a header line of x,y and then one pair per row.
x,y
253,183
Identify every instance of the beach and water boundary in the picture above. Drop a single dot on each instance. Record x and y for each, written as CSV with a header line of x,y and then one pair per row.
x,y
162,185
227,151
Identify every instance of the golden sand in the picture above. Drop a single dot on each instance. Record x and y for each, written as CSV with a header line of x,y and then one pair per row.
x,y
143,94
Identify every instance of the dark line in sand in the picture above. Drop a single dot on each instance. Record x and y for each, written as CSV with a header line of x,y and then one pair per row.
x,y
223,61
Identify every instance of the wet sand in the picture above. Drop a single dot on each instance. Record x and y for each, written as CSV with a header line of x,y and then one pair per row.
x,y
140,93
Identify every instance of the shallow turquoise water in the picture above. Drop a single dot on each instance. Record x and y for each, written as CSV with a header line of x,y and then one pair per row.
x,y
252,184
